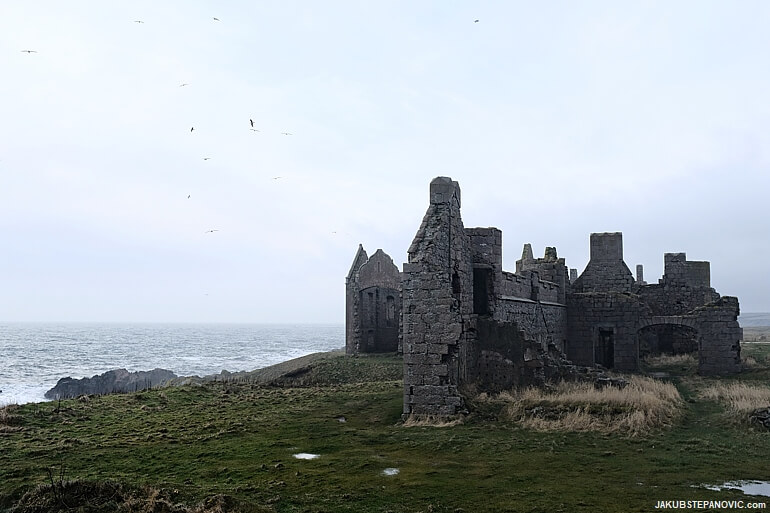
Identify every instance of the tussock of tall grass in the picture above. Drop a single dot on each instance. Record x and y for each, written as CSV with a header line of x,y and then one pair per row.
x,y
672,360
431,421
750,362
7,417
644,404
65,495
738,397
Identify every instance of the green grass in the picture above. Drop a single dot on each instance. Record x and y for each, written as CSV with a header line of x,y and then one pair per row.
x,y
236,440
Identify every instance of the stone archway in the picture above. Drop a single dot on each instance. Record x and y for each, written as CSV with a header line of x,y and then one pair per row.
x,y
667,335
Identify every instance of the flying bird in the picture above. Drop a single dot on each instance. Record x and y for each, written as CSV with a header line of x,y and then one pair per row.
x,y
206,158
277,177
210,231
29,51
138,21
192,128
286,133
188,196
475,21
216,19
253,129
182,85
252,122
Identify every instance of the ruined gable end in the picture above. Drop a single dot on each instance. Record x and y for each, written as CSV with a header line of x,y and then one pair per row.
x,y
373,304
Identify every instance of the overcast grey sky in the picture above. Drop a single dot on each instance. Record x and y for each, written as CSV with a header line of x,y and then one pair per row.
x,y
557,118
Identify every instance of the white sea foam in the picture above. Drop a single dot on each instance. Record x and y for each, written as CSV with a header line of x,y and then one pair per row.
x,y
35,356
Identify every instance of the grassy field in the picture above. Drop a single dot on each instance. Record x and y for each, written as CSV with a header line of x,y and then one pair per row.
x,y
229,447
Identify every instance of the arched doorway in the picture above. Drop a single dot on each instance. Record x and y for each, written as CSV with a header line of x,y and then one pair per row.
x,y
671,335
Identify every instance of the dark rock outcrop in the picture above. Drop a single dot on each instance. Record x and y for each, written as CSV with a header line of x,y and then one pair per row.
x,y
114,381
761,417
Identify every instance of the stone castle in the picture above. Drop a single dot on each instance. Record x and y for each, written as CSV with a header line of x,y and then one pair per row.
x,y
462,322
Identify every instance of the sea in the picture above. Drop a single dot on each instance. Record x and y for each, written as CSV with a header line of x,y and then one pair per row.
x,y
34,356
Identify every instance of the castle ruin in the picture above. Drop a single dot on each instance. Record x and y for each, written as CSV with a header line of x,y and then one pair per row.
x,y
460,320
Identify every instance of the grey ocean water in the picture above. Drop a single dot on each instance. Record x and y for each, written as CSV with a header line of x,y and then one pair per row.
x,y
34,356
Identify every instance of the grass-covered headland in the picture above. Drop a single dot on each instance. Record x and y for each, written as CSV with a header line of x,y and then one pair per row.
x,y
229,446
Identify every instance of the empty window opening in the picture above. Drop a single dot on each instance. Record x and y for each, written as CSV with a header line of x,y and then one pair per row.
x,y
604,350
455,283
481,291
390,310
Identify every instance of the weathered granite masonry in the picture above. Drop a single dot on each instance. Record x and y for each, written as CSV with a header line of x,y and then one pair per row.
x,y
612,318
465,324
372,304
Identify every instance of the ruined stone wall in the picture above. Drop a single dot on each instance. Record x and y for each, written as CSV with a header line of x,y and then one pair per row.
x,y
379,314
516,285
719,350
606,271
486,246
675,300
685,285
550,268
373,304
542,322
437,300
498,356
594,316
529,285
352,303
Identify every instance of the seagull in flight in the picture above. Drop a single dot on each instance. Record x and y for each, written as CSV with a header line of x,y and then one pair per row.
x,y
138,21
216,19
253,129
286,133
206,158
210,231
182,85
192,128
475,21
29,51
188,196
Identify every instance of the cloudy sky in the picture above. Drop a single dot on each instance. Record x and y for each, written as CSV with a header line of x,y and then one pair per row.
x,y
558,119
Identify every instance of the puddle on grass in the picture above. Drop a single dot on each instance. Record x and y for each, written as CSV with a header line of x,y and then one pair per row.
x,y
390,472
306,456
747,487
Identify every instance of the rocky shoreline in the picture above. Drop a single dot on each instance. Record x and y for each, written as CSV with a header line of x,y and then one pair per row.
x,y
122,381
111,382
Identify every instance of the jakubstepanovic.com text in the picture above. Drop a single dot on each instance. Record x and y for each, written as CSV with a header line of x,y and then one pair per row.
x,y
709,505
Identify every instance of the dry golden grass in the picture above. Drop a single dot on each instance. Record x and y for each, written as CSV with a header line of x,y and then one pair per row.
x,y
644,404
738,397
671,360
750,362
431,421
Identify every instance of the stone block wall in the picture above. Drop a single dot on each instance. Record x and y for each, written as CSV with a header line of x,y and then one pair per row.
x,y
675,299
596,320
516,285
606,271
719,348
550,268
352,300
373,304
541,322
437,300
